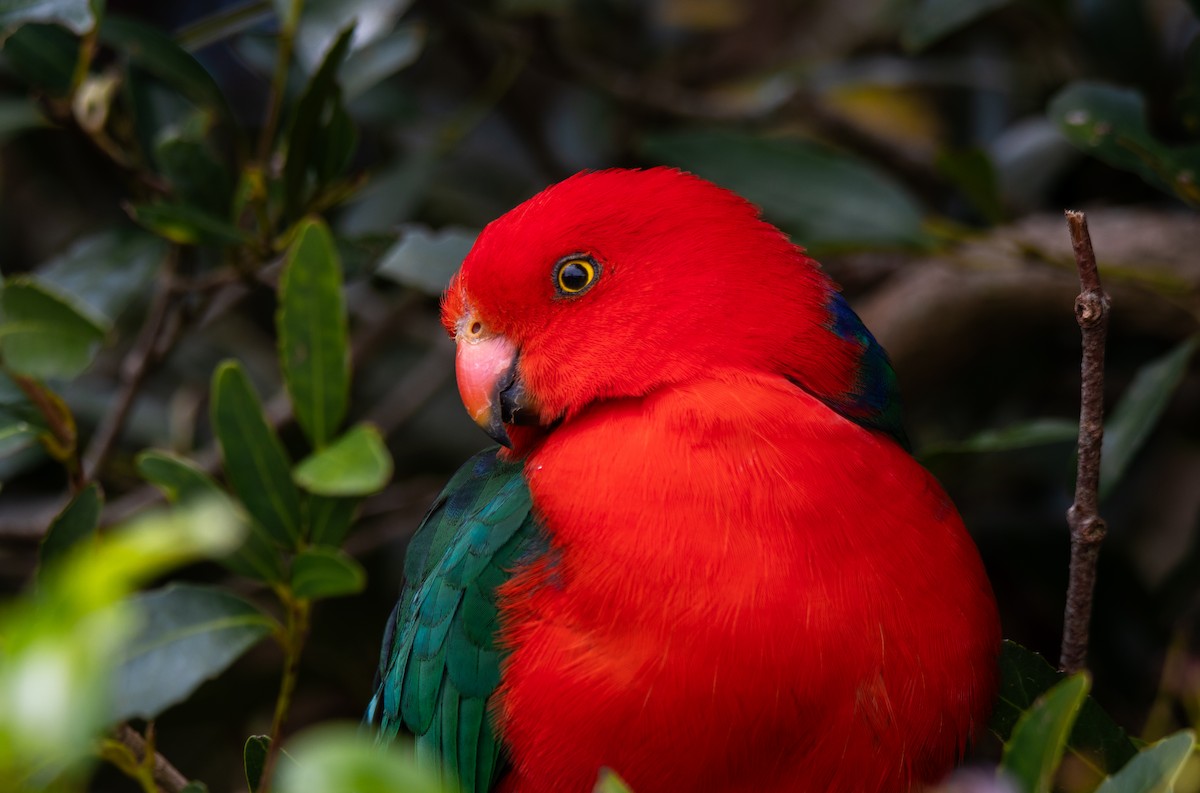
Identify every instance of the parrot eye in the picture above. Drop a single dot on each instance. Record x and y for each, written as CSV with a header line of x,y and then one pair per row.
x,y
575,274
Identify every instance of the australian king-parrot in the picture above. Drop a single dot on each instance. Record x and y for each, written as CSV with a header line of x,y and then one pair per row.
x,y
705,557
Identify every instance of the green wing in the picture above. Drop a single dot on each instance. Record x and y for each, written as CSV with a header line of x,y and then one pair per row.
x,y
440,665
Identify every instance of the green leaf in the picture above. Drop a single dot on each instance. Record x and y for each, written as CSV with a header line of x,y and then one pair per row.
x,y
255,461
149,48
309,134
381,59
179,479
16,435
1024,675
187,225
1034,750
73,14
425,260
324,573
194,787
323,20
189,634
77,522
1110,123
355,464
329,519
611,782
1037,432
1138,411
313,332
42,335
43,56
972,172
344,757
1155,768
822,197
255,759
196,176
931,20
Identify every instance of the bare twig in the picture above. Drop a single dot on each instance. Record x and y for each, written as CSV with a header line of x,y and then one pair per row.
x,y
299,611
166,776
1087,527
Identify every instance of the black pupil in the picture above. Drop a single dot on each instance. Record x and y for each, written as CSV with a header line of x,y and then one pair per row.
x,y
574,277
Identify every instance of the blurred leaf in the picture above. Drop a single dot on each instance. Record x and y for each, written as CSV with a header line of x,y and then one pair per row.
x,y
188,634
18,115
1038,432
187,225
329,519
323,21
73,14
43,56
930,20
255,759
355,464
55,423
311,323
223,24
610,782
255,462
179,479
313,135
1034,750
1024,675
151,49
1155,768
77,522
41,334
325,573
972,172
381,59
105,272
197,177
344,757
392,196
194,787
822,197
16,435
1110,123
1139,410
425,260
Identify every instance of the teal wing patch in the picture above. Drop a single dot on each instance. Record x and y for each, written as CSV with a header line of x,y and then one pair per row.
x,y
440,664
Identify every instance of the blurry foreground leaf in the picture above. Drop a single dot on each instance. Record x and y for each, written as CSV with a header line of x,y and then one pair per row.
x,y
1155,768
356,464
77,522
74,14
344,758
42,335
424,259
930,20
820,196
43,56
1035,748
188,634
610,782
1138,411
325,573
254,758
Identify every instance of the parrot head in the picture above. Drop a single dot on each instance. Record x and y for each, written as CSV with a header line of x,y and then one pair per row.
x,y
616,283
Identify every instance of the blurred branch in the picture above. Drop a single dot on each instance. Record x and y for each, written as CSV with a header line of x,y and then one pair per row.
x,y
283,62
1087,527
166,776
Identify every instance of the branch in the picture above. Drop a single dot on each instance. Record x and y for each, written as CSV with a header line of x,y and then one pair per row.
x,y
1087,527
166,776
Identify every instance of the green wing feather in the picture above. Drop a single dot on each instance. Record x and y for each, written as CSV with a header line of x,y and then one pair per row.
x,y
440,665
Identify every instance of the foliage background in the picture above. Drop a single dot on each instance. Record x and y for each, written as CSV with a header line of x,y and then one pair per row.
x,y
923,150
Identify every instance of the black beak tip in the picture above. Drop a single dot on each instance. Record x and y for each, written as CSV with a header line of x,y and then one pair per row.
x,y
495,429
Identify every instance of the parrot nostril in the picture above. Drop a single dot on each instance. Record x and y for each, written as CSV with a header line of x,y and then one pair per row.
x,y
476,328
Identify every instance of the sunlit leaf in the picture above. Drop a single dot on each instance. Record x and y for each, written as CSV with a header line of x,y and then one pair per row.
x,y
41,334
77,522
188,634
611,782
344,757
1139,410
325,573
355,464
931,20
313,332
1036,746
424,259
822,197
255,461
73,14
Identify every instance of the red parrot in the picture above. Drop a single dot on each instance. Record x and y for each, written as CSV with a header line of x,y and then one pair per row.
x,y
705,558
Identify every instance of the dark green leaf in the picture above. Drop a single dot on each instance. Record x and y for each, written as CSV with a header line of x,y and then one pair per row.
x,y
255,757
1024,675
425,260
151,49
820,196
196,176
194,787
330,518
355,464
1138,412
1034,750
188,634
1155,768
42,335
1038,432
312,332
16,435
77,522
255,461
187,225
930,20
43,56
74,14
325,573
309,129
178,479
972,172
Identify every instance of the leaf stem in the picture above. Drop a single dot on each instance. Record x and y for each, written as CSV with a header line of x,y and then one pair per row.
x,y
162,774
283,62
298,613
1087,527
